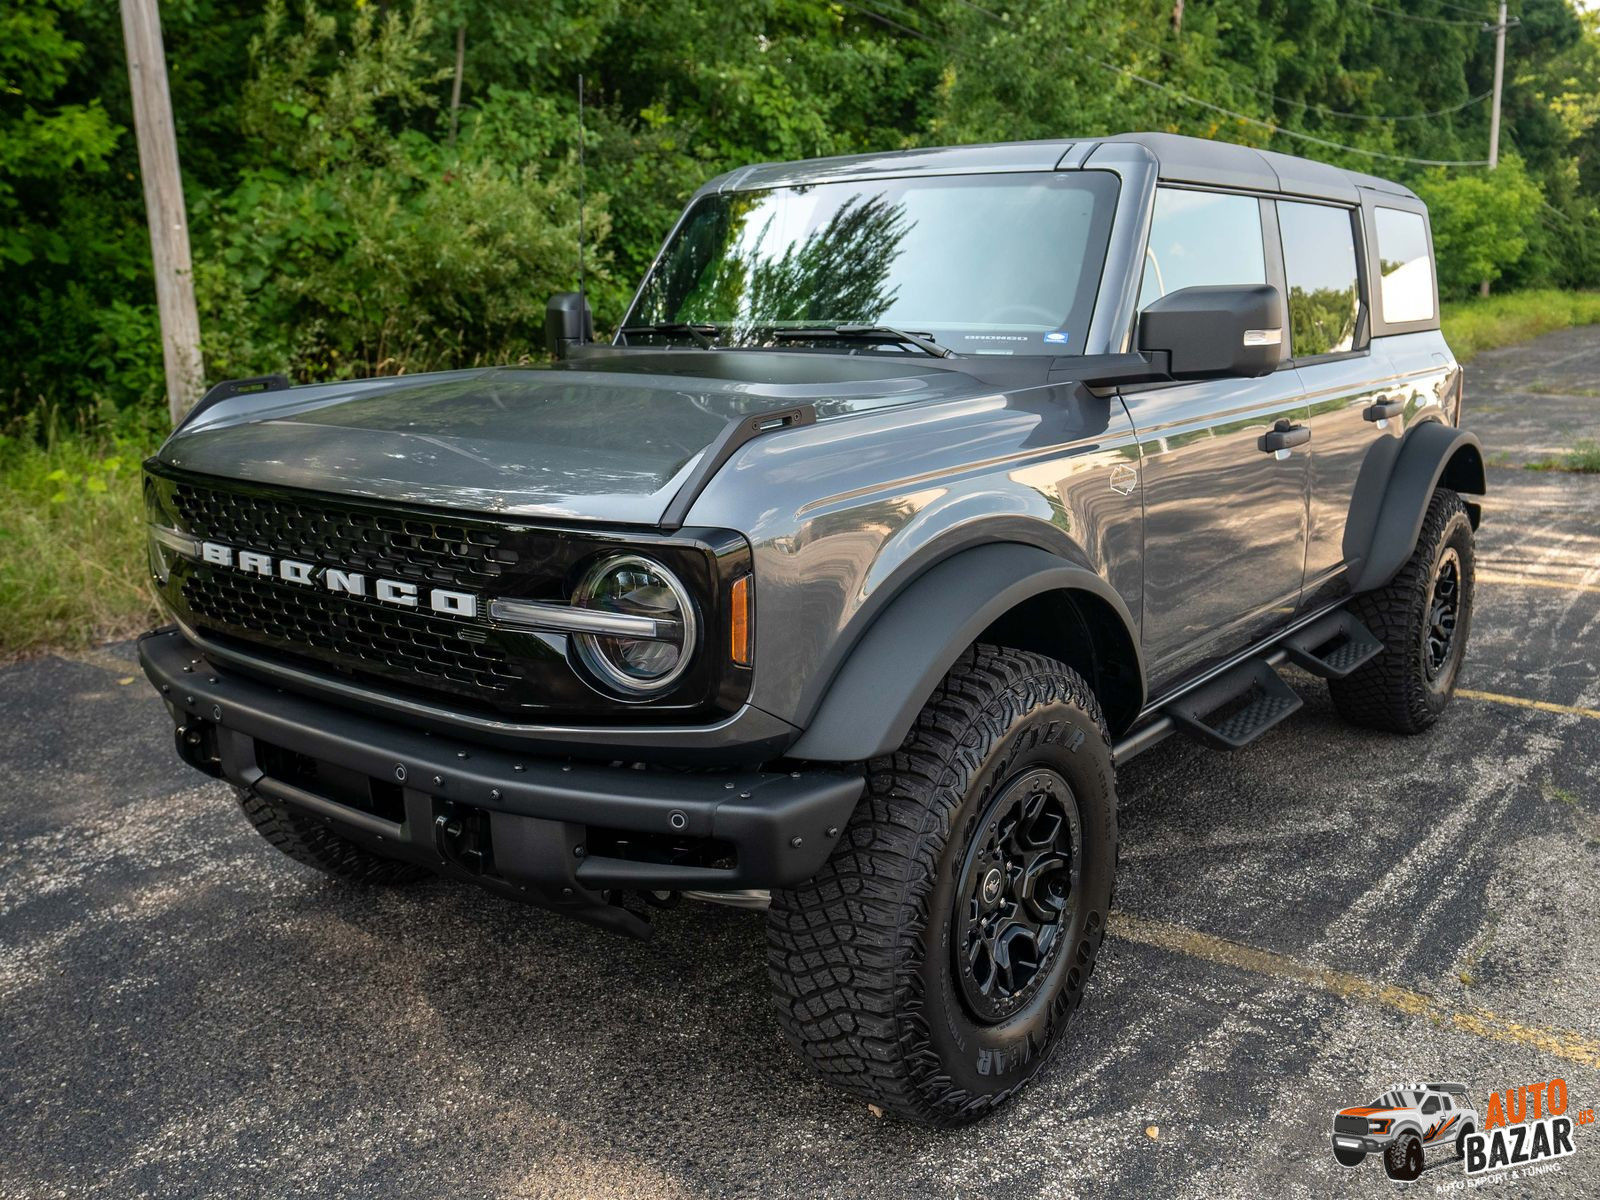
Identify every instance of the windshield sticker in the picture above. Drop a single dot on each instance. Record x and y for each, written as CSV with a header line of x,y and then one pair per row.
x,y
1058,337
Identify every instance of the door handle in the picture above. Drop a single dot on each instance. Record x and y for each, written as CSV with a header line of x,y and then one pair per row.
x,y
1384,410
1283,438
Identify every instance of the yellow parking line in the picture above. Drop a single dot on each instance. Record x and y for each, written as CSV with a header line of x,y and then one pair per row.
x,y
1175,938
1526,581
1541,705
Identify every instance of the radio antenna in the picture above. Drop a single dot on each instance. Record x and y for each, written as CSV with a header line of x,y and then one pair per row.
x,y
582,302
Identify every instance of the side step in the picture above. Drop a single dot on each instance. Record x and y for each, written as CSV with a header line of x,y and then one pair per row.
x,y
1236,708
1332,647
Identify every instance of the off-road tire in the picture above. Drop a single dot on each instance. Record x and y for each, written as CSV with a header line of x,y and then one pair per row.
x,y
1403,1159
1395,691
1467,1131
862,957
307,840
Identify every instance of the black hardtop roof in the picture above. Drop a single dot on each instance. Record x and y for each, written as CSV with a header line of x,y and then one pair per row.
x,y
1179,159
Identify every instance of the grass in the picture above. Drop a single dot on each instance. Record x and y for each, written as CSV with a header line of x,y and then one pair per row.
x,y
72,552
72,549
1473,326
1582,459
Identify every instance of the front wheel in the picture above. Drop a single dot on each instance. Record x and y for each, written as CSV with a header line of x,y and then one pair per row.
x,y
931,966
1349,1156
311,841
1403,1159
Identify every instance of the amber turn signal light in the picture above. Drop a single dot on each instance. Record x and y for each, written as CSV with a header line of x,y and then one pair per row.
x,y
743,606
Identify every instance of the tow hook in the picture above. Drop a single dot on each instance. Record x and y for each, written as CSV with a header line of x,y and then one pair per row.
x,y
461,836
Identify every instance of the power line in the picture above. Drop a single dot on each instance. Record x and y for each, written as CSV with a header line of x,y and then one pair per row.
x,y
1271,126
1460,8
883,20
1354,116
1482,23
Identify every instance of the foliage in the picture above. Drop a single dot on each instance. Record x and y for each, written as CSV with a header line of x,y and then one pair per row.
x,y
72,553
1582,459
1479,229
356,245
340,228
1472,326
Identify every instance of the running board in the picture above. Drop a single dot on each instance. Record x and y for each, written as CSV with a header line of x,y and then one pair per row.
x,y
1236,708
1333,646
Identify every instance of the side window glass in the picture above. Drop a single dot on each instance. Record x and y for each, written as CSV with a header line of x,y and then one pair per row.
x,y
1319,257
1431,1105
1403,259
1201,238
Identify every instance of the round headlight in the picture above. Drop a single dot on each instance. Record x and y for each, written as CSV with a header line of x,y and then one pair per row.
x,y
649,661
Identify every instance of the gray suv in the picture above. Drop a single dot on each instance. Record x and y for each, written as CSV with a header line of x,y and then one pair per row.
x,y
915,493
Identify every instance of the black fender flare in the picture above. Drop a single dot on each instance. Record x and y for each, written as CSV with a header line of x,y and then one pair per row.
x,y
1383,526
871,703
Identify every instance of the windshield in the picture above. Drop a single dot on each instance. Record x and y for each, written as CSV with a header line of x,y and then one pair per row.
x,y
982,264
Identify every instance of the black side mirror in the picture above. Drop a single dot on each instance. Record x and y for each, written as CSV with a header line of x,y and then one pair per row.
x,y
1215,332
567,323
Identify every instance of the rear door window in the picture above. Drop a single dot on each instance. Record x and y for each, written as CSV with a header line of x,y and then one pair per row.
x,y
1199,238
1407,287
1319,258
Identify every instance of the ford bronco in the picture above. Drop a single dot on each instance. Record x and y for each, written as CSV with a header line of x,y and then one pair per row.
x,y
1402,1123
913,494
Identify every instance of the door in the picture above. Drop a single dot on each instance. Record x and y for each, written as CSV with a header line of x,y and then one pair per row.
x,y
1354,404
1225,519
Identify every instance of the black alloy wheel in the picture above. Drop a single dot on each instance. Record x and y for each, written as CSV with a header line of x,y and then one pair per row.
x,y
1444,611
1017,889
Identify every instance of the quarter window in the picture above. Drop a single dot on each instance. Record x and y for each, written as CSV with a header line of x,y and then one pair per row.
x,y
1319,257
1199,238
1407,272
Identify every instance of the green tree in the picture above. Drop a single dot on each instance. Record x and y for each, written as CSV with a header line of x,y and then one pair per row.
x,y
1480,222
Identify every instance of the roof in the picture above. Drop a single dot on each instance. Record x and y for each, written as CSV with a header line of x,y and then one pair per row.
x,y
1179,159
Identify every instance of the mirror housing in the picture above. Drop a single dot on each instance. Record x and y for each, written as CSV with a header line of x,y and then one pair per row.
x,y
1216,332
568,322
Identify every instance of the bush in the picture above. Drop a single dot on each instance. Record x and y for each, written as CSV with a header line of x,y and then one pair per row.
x,y
72,541
363,246
1472,326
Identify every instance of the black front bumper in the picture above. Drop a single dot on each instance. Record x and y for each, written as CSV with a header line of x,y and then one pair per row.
x,y
563,834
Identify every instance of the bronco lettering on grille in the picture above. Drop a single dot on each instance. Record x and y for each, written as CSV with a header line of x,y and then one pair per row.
x,y
352,583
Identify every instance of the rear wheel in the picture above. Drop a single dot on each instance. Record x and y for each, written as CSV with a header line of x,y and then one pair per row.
x,y
932,965
1422,616
308,840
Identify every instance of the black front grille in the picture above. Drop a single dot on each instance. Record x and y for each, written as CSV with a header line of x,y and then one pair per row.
x,y
1354,1125
450,553
468,660
393,641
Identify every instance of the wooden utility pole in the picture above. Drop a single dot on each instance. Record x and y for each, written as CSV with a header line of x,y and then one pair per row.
x,y
1494,113
163,202
455,88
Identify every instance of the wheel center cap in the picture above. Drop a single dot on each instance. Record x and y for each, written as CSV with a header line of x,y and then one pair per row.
x,y
991,886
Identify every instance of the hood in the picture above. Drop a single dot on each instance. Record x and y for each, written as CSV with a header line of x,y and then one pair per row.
x,y
608,438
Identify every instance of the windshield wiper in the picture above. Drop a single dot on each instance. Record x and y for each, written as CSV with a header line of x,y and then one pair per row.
x,y
886,334
701,333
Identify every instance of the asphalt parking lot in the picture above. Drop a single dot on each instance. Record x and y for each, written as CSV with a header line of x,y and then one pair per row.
x,y
184,1012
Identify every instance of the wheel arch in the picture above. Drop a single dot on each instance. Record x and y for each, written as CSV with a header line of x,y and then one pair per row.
x,y
1384,524
1018,595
